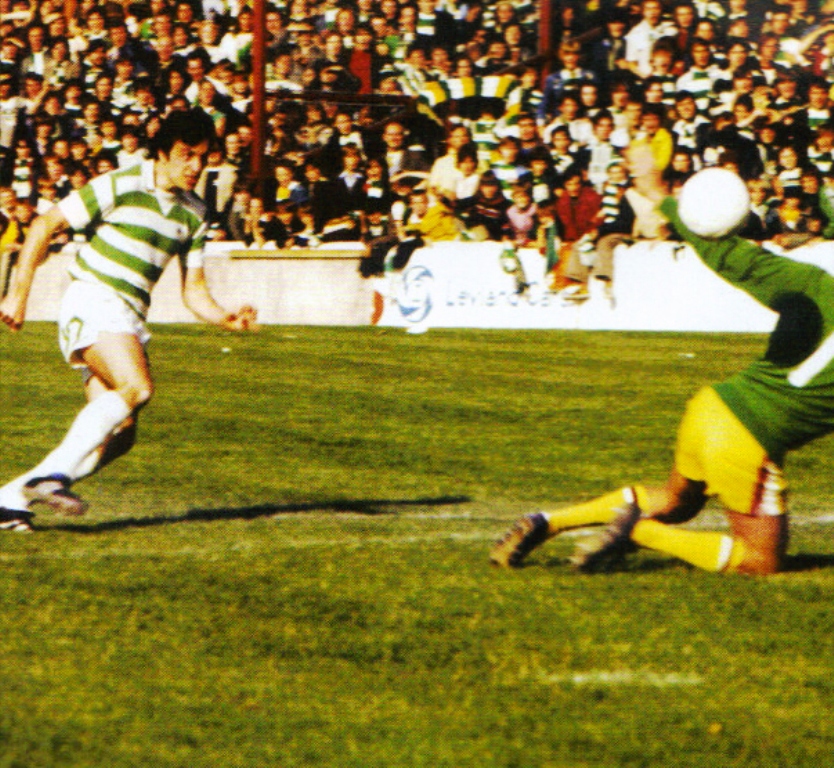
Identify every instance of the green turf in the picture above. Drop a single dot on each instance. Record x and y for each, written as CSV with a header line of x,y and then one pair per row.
x,y
290,568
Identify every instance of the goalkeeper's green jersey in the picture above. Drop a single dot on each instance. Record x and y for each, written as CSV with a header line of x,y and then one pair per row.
x,y
783,407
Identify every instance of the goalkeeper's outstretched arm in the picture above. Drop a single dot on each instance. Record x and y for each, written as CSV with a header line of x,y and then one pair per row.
x,y
754,269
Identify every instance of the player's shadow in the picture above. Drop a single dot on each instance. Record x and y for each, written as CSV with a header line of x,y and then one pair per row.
x,y
808,562
354,506
793,564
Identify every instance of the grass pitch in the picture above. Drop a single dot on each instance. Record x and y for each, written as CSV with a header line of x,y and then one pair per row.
x,y
290,569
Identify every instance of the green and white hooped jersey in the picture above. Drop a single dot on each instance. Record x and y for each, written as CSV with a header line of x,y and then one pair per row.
x,y
137,230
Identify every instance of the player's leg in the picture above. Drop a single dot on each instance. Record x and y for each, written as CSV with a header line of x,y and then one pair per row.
x,y
756,544
680,499
119,386
119,361
762,541
118,443
715,446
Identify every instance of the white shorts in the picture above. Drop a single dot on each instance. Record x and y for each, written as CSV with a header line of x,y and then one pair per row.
x,y
89,309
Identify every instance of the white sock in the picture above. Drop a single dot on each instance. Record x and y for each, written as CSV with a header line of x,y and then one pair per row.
x,y
88,464
91,427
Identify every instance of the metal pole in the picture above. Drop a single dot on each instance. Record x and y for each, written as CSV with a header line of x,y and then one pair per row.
x,y
258,93
545,33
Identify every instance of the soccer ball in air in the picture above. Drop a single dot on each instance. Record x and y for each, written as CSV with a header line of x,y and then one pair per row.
x,y
714,203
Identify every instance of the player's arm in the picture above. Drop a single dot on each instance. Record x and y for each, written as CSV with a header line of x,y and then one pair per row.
x,y
31,255
762,274
759,272
197,297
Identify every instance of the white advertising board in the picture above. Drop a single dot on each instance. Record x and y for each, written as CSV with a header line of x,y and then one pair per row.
x,y
656,287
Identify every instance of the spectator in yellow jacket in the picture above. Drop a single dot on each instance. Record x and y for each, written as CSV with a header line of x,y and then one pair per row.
x,y
654,135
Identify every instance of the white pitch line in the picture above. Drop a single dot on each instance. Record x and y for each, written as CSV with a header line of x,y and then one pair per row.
x,y
823,519
352,541
623,677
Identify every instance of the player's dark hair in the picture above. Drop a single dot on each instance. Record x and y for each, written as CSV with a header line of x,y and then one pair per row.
x,y
798,330
191,126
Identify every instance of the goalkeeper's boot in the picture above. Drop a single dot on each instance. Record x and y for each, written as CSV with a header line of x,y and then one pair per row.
x,y
54,491
527,534
612,545
15,520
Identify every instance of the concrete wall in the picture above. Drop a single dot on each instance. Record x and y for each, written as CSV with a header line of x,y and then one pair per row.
x,y
324,288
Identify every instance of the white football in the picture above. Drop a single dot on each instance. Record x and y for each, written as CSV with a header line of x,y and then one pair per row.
x,y
714,203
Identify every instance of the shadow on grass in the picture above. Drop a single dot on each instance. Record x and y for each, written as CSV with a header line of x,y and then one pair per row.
x,y
625,566
359,507
793,564
808,562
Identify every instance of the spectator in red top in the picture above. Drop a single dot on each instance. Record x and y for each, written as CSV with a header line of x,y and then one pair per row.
x,y
363,63
577,212
577,207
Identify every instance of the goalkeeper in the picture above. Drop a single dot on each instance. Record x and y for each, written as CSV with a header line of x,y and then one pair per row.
x,y
734,435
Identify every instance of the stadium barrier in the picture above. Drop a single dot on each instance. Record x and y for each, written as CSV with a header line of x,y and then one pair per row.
x,y
657,286
289,287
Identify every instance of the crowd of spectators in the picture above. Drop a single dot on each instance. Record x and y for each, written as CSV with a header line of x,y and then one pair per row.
x,y
742,84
